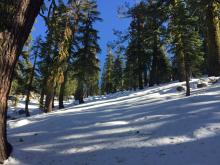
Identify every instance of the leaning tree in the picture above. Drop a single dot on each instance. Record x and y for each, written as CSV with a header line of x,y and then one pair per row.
x,y
17,18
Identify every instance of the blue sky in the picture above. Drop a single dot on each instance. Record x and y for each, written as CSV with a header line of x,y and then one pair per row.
x,y
108,10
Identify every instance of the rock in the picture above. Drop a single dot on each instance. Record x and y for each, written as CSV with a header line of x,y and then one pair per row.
x,y
21,112
213,80
13,118
202,85
180,88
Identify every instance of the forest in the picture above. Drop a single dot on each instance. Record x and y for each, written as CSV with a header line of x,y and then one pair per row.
x,y
166,41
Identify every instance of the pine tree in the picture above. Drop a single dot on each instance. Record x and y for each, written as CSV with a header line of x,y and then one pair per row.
x,y
107,76
44,63
145,53
86,63
74,9
21,71
155,19
36,48
137,33
187,41
131,77
212,19
117,74
61,33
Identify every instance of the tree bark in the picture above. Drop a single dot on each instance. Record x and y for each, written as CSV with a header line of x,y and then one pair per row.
x,y
180,66
187,74
62,91
154,68
145,76
53,105
42,94
140,80
213,38
49,102
79,93
42,99
17,18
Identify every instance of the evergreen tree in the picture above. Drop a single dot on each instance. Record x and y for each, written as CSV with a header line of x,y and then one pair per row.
x,y
86,63
187,42
61,33
22,70
208,11
107,75
117,74
74,9
137,42
145,54
36,48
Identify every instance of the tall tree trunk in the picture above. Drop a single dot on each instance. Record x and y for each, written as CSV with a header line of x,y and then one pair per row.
x,y
154,68
27,103
54,95
42,93
79,94
29,87
53,105
180,66
42,98
140,79
213,38
62,91
187,74
17,18
145,76
49,102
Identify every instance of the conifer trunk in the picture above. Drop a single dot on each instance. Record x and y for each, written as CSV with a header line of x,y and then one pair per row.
x,y
53,105
140,79
42,98
26,103
17,18
145,76
42,93
154,69
187,73
213,38
181,66
62,90
49,102
79,94
54,95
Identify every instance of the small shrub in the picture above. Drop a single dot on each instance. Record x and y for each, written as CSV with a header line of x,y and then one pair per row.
x,y
180,88
202,85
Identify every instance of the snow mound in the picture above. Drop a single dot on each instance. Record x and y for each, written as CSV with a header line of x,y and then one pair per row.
x,y
19,123
13,161
112,123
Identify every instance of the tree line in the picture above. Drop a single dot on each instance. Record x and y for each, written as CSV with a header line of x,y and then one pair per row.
x,y
65,62
166,40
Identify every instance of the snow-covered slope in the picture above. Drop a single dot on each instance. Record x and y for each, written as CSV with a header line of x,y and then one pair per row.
x,y
155,126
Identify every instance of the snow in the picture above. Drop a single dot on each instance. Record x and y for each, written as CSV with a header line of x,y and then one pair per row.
x,y
19,123
154,126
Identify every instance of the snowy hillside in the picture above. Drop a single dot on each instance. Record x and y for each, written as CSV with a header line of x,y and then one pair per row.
x,y
155,126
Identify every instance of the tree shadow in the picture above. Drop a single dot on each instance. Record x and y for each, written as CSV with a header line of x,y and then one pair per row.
x,y
143,130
